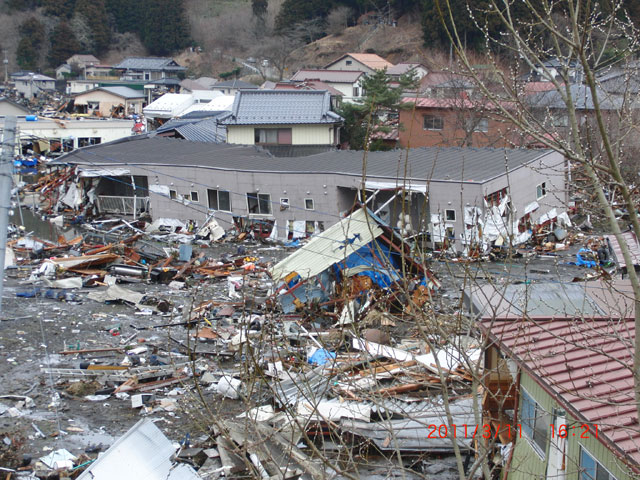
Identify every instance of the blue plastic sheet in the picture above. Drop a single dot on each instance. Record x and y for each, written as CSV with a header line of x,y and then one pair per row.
x,y
372,255
321,357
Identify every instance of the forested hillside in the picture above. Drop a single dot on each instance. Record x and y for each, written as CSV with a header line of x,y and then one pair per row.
x,y
41,34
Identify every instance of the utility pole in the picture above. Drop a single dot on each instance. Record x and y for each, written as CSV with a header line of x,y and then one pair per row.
x,y
6,182
6,68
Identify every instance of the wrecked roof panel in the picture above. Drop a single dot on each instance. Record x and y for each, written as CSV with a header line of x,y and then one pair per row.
x,y
331,246
142,452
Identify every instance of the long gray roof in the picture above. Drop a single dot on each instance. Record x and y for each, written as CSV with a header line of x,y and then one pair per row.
x,y
581,95
273,107
435,164
149,63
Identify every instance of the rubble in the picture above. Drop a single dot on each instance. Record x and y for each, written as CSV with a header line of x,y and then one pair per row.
x,y
253,347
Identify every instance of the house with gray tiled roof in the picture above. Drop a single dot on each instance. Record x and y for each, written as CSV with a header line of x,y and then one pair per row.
x,y
282,117
231,87
149,68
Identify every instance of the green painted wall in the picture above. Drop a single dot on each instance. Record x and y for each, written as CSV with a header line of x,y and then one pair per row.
x,y
528,464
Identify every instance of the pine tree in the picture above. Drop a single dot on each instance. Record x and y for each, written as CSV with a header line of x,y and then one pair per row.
x,y
164,29
63,44
27,55
94,13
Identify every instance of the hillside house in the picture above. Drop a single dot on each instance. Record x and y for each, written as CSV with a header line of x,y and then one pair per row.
x,y
395,72
347,82
149,68
109,101
32,85
460,122
362,62
231,87
282,118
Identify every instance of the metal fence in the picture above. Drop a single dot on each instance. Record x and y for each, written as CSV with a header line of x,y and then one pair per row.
x,y
123,205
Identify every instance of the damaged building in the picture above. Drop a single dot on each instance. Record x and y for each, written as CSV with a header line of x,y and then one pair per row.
x,y
452,197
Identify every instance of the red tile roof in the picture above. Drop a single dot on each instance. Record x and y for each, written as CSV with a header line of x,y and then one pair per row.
x,y
586,364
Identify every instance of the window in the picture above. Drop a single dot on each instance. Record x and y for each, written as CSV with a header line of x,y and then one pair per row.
x,y
450,215
86,141
535,423
356,92
591,469
173,195
348,62
272,136
308,203
432,122
478,125
219,200
309,227
541,190
194,197
494,199
259,203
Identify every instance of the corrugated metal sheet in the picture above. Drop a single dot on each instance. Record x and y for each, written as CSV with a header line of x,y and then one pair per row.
x,y
143,453
434,164
587,364
633,244
534,300
418,434
331,246
311,386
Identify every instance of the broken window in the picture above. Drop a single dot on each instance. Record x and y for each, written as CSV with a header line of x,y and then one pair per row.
x,y
541,190
273,136
87,141
494,199
310,227
432,122
259,203
535,422
173,195
219,200
308,203
194,197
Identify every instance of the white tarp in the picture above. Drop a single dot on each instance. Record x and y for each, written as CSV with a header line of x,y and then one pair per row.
x,y
103,172
72,198
374,185
161,189
165,224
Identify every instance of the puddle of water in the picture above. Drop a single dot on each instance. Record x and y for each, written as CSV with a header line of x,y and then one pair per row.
x,y
43,229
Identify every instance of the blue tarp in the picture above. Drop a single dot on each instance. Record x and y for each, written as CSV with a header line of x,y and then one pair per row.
x,y
372,255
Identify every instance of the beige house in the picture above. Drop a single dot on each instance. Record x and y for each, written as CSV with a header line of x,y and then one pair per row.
x,y
360,62
282,118
110,101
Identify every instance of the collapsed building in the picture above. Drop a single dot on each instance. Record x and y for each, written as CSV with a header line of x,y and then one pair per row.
x,y
450,197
